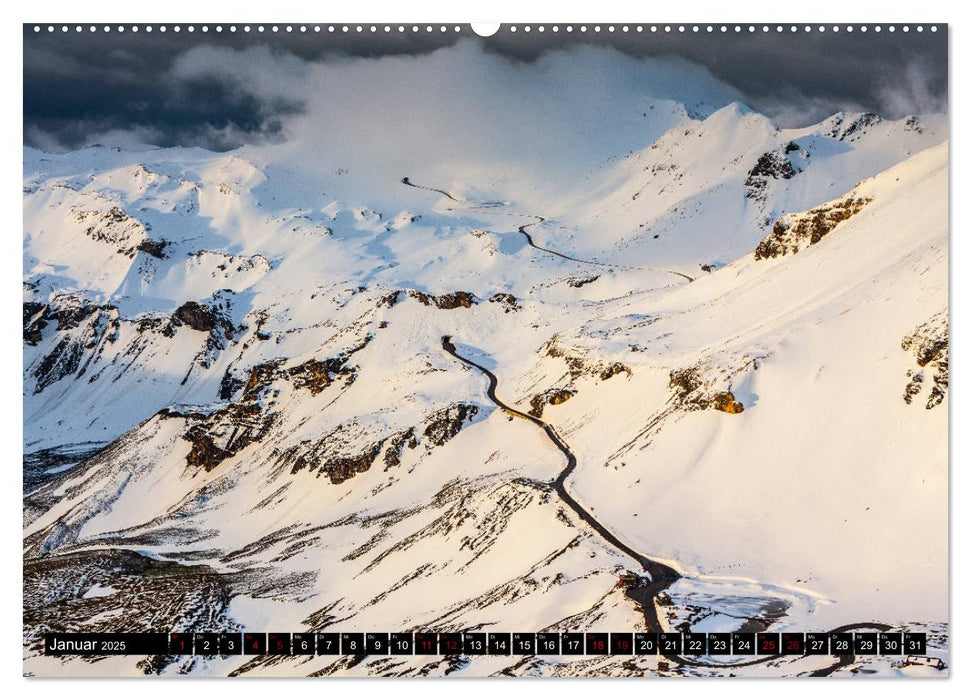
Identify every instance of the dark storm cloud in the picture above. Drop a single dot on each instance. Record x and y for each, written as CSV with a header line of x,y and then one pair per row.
x,y
791,72
126,86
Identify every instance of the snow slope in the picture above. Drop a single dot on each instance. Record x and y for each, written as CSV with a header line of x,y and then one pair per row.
x,y
237,401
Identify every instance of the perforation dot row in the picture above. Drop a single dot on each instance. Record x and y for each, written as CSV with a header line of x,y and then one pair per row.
x,y
711,28
387,28
289,28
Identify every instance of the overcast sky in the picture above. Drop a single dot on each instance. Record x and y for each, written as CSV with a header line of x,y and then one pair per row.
x,y
223,90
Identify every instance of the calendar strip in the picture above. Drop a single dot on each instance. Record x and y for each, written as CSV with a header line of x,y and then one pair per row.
x,y
488,643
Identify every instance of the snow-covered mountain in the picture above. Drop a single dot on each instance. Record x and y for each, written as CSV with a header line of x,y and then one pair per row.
x,y
239,410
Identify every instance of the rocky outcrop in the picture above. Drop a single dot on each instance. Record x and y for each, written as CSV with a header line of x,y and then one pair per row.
x,y
389,300
725,401
340,469
62,361
929,344
846,129
320,458
396,445
315,375
154,248
774,165
113,226
692,393
204,452
550,397
613,369
229,385
508,301
34,322
445,424
578,366
230,264
329,457
260,377
913,124
82,326
215,437
452,300
71,311
793,232
578,282
685,382
202,317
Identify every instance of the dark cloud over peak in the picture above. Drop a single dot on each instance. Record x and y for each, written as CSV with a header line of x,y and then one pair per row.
x,y
130,87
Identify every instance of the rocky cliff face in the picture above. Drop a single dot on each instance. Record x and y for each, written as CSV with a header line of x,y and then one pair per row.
x,y
929,344
774,165
202,317
113,226
793,232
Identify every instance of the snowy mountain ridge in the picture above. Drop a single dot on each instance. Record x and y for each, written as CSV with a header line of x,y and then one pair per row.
x,y
726,327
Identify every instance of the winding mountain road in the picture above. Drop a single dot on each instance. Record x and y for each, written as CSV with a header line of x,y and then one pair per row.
x,y
406,181
529,238
662,576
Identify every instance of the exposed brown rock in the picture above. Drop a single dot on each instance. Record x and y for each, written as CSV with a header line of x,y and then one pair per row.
x,y
389,300
222,434
578,366
81,328
930,345
443,425
70,312
154,248
229,385
202,317
689,393
63,360
793,232
508,301
913,386
551,397
315,375
204,452
684,381
396,445
614,369
260,377
340,469
725,401
326,455
452,300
